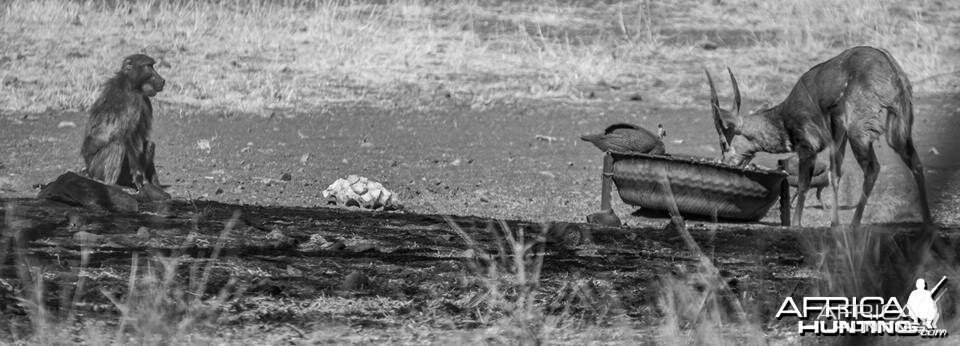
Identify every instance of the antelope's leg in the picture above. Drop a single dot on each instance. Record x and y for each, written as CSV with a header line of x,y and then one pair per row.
x,y
785,203
836,151
835,208
867,158
805,172
908,153
833,176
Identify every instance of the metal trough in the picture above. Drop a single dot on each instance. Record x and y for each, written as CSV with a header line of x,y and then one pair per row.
x,y
700,186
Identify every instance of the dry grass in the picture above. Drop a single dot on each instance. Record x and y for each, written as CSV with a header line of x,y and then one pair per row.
x,y
867,261
158,306
250,56
512,306
699,307
509,282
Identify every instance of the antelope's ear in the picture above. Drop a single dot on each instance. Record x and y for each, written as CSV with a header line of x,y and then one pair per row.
x,y
760,108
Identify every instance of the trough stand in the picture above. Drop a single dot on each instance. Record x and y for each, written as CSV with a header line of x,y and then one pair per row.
x,y
606,182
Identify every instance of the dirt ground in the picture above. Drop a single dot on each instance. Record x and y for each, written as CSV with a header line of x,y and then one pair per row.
x,y
444,157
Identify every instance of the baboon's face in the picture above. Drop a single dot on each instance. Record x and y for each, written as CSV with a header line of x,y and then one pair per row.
x,y
139,69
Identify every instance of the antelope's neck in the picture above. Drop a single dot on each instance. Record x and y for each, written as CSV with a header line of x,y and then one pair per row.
x,y
766,130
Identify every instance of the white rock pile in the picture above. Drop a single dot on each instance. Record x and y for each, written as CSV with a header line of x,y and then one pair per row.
x,y
362,192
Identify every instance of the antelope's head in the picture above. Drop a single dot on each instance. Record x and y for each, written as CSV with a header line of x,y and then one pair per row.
x,y
737,149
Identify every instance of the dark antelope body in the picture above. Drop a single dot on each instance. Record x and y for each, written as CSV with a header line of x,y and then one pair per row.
x,y
855,96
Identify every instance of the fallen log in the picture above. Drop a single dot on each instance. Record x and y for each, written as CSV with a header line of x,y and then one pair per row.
x,y
74,189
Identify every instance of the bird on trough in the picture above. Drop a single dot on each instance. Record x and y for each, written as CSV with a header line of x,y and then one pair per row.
x,y
819,180
627,138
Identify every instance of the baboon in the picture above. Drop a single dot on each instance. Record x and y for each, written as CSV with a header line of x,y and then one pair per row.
x,y
116,146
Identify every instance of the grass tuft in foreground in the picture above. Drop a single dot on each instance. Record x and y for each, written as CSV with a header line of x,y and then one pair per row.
x,y
158,306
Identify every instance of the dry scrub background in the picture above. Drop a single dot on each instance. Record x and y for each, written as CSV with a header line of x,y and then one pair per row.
x,y
251,56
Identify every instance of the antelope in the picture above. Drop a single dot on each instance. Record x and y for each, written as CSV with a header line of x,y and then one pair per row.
x,y
857,96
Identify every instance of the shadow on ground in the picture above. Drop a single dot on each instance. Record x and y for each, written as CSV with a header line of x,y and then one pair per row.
x,y
411,264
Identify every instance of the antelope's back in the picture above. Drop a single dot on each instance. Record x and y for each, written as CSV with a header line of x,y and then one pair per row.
x,y
854,72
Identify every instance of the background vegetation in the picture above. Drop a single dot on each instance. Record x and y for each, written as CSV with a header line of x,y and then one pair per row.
x,y
249,56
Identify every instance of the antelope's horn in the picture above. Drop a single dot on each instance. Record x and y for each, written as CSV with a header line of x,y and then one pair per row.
x,y
736,92
715,106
